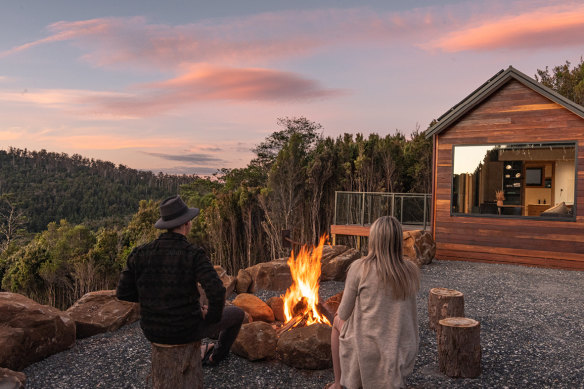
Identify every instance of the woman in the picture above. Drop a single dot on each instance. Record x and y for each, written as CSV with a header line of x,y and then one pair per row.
x,y
375,333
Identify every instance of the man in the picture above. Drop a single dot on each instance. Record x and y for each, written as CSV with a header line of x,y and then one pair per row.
x,y
162,276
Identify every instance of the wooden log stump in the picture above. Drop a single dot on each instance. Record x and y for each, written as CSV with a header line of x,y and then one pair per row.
x,y
443,303
177,366
459,347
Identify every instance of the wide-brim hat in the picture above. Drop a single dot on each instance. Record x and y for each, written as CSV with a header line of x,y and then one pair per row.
x,y
174,212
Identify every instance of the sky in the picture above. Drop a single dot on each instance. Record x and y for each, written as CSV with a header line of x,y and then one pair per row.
x,y
189,86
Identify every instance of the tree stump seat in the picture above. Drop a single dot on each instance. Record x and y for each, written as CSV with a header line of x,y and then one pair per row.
x,y
443,303
177,366
459,347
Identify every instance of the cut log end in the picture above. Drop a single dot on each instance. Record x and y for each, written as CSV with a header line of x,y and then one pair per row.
x,y
445,292
458,322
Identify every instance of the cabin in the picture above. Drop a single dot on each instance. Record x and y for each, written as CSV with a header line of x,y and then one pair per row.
x,y
508,176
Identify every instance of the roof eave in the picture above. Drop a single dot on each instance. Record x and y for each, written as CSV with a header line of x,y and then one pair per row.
x,y
492,85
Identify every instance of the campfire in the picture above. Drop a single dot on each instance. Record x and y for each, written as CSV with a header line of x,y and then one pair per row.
x,y
301,306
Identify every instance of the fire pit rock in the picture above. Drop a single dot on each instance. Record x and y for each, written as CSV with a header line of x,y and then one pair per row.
x,y
12,379
101,311
329,252
277,305
333,302
228,281
256,341
243,281
419,247
273,275
30,332
255,307
335,268
306,347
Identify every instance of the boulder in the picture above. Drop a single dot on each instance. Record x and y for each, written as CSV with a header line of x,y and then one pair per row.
x,y
101,311
273,275
243,281
11,379
255,307
30,331
419,247
277,305
332,304
306,347
228,281
335,269
329,252
256,341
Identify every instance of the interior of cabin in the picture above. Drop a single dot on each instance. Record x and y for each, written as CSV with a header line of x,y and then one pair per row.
x,y
522,179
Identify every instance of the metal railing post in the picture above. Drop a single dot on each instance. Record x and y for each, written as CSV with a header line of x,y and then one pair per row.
x,y
425,204
401,215
335,216
363,210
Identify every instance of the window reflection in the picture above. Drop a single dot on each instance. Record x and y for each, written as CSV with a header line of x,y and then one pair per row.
x,y
527,179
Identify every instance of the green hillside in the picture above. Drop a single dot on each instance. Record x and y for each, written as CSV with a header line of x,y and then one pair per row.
x,y
49,186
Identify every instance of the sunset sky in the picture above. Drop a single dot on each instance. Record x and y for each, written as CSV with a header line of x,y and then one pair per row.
x,y
188,86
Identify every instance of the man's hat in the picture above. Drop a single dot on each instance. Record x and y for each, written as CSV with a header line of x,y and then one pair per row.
x,y
173,213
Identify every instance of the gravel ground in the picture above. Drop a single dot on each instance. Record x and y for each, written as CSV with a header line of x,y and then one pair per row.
x,y
532,336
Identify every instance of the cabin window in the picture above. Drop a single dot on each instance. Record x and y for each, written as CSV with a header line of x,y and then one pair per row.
x,y
535,180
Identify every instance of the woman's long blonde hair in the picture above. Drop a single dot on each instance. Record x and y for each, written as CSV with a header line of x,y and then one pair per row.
x,y
386,254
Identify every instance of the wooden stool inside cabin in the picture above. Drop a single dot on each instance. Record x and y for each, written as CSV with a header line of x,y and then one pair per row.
x,y
443,303
177,366
459,347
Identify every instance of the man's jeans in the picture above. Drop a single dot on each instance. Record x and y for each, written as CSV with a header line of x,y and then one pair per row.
x,y
228,328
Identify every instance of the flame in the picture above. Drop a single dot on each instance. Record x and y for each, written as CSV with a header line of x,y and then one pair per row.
x,y
301,298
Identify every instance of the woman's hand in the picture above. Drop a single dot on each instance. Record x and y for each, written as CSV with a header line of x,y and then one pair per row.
x,y
204,309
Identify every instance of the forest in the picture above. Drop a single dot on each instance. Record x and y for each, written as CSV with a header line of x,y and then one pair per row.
x,y
67,224
96,213
49,186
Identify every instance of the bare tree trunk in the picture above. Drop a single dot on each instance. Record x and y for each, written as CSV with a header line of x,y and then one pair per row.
x,y
177,366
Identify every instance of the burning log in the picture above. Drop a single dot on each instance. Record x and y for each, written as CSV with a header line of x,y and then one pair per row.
x,y
300,307
323,311
290,323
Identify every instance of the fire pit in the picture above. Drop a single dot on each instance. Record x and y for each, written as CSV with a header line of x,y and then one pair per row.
x,y
305,335
302,339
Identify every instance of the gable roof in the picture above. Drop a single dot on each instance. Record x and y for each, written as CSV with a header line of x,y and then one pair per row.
x,y
491,86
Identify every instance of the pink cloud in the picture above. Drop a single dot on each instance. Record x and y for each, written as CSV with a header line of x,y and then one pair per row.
x,y
544,27
206,82
197,83
65,31
134,42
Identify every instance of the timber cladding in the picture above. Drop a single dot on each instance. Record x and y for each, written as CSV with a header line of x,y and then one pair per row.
x,y
513,113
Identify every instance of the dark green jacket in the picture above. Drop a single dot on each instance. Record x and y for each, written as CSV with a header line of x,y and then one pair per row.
x,y
162,276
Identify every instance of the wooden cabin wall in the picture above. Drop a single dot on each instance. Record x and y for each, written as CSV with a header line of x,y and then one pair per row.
x,y
514,113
